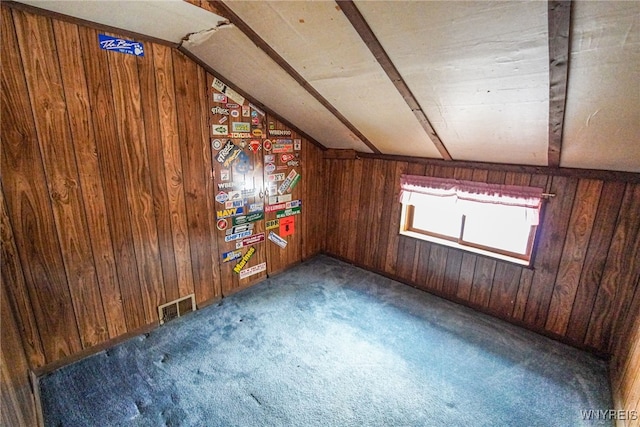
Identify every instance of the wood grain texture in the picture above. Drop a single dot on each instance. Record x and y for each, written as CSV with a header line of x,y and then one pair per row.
x,y
595,258
127,98
576,230
108,187
621,271
157,174
44,83
352,177
526,278
573,255
13,281
550,244
172,163
86,154
313,189
214,285
113,180
278,259
29,207
16,400
625,367
406,245
393,238
196,172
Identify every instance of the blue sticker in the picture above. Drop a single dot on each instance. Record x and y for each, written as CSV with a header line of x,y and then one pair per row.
x,y
120,45
243,165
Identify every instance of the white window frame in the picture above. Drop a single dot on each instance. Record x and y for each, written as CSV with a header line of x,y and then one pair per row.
x,y
407,228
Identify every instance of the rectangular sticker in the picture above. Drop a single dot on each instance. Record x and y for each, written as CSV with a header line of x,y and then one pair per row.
x,y
236,236
276,177
226,213
219,129
279,199
250,271
277,240
287,226
282,148
273,208
240,127
272,224
248,219
234,204
239,229
120,45
245,259
288,212
258,238
287,182
220,97
223,88
255,207
279,132
294,182
231,255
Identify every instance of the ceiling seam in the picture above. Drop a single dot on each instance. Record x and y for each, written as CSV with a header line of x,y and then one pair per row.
x,y
559,18
275,56
371,41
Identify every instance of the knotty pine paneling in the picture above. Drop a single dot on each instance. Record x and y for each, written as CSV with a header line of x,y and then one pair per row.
x,y
585,270
107,189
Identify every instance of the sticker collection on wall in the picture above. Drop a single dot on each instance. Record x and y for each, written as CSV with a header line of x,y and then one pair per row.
x,y
257,172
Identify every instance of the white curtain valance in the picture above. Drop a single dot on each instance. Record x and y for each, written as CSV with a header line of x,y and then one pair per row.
x,y
420,191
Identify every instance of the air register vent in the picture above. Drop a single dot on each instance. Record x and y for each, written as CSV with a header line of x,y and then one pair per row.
x,y
176,308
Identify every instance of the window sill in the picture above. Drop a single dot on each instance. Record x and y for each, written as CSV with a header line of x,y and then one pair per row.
x,y
471,249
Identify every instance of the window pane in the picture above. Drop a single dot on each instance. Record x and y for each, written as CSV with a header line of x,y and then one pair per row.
x,y
439,217
501,227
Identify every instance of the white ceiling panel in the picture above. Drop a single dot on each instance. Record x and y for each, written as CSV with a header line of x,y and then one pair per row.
x,y
168,20
318,41
602,121
479,70
228,51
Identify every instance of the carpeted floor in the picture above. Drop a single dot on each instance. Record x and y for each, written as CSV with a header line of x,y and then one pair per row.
x,y
328,344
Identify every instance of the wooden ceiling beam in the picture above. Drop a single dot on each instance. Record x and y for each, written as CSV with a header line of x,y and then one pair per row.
x,y
559,16
223,10
369,38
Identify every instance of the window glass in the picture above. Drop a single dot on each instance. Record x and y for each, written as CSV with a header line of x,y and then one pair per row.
x,y
493,220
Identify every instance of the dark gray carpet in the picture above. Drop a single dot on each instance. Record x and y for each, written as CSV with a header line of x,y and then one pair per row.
x,y
328,344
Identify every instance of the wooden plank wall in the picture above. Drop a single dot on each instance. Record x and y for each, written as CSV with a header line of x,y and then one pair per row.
x,y
585,271
625,371
105,180
17,402
107,186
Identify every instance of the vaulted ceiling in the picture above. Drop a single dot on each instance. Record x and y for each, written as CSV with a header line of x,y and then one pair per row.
x,y
517,82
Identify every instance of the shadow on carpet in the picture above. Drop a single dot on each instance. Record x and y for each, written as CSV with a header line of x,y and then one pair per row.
x,y
329,344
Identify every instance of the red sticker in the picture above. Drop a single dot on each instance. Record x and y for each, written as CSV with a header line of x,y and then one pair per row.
x,y
222,224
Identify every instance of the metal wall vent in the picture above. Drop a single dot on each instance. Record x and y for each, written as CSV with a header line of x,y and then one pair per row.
x,y
176,308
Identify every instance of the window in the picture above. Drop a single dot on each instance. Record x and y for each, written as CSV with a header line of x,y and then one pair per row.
x,y
494,220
